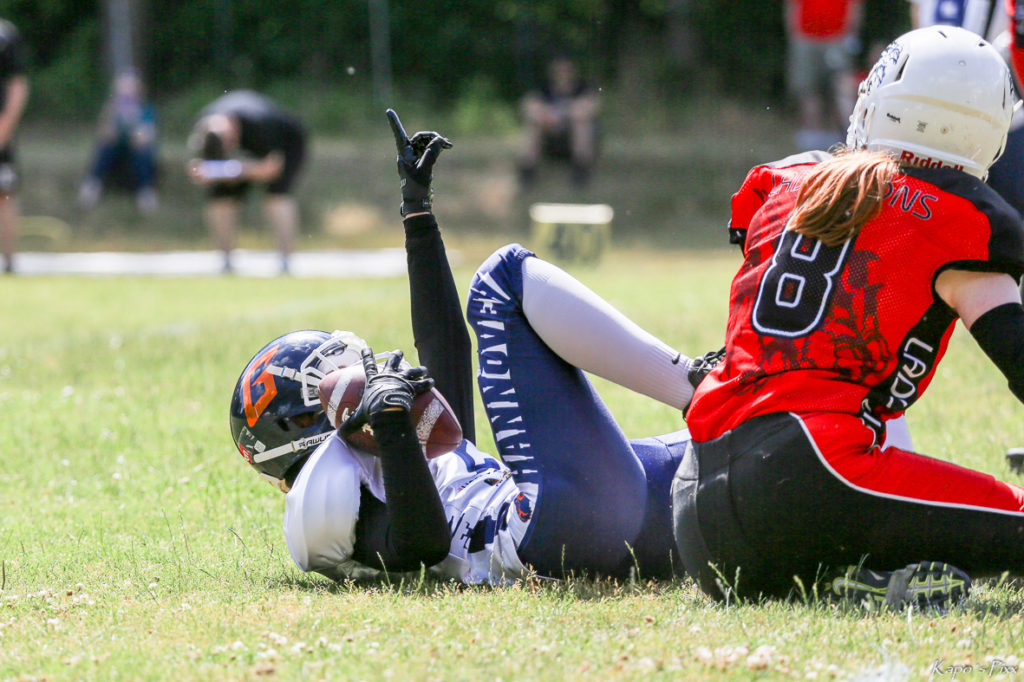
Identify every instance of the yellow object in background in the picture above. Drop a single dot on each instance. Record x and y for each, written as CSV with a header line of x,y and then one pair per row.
x,y
571,232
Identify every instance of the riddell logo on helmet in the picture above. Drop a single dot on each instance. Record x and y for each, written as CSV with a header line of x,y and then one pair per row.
x,y
912,159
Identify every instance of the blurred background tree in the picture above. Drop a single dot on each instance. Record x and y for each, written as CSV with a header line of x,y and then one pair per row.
x,y
439,51
674,75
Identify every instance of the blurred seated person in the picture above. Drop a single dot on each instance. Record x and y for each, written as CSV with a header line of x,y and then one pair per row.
x,y
560,122
126,147
820,75
243,139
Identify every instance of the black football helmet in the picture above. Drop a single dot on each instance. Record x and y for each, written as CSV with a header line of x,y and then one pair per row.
x,y
276,417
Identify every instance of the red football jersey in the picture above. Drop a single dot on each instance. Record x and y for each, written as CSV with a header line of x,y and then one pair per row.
x,y
856,328
824,19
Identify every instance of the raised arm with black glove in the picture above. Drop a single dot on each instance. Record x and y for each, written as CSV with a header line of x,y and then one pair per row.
x,y
410,528
438,326
416,158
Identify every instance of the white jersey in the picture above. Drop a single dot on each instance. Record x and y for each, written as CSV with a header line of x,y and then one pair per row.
x,y
477,492
486,514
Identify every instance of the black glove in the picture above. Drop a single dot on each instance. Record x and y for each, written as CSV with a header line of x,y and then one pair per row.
x,y
702,366
388,389
416,159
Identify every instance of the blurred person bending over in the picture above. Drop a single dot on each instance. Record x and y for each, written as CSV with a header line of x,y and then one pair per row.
x,y
561,120
126,146
244,138
821,36
13,97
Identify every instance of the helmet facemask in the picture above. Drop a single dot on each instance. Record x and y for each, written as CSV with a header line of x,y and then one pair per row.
x,y
340,350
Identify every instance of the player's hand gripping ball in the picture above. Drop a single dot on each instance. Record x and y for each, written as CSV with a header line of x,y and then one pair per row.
x,y
437,427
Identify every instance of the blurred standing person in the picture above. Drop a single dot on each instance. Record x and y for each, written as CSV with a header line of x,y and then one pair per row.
x,y
244,138
13,97
989,19
561,122
126,145
882,21
821,42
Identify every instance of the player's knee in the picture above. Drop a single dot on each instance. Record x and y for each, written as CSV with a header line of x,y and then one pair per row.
x,y
502,273
505,257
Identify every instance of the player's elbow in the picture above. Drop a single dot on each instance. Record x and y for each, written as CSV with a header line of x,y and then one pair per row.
x,y
435,539
425,551
438,548
16,95
428,548
441,543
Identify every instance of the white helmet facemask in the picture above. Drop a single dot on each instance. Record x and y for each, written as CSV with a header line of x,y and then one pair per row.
x,y
342,349
939,97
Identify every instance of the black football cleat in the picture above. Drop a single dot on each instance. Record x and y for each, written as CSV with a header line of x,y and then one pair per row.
x,y
928,585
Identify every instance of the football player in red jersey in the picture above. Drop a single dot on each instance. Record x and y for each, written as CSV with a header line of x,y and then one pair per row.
x,y
856,268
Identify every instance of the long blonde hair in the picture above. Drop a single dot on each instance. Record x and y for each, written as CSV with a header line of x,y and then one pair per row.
x,y
839,195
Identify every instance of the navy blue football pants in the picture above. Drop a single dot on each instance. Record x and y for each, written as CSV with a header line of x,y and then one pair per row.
x,y
599,501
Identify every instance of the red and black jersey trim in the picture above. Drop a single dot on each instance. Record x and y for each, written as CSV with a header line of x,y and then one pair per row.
x,y
1006,240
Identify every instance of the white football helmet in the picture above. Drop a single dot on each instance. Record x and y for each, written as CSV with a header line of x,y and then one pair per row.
x,y
939,97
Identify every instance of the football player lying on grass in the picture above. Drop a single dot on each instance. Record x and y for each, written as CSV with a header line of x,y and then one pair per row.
x,y
570,494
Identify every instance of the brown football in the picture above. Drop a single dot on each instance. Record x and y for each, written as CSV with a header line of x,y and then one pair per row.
x,y
436,426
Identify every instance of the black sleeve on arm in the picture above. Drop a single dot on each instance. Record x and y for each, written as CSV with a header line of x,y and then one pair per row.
x,y
437,322
411,529
1000,333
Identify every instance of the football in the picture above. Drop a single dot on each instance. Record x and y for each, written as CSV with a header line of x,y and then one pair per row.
x,y
437,427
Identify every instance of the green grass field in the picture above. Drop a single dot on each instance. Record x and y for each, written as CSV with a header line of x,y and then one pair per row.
x,y
136,544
